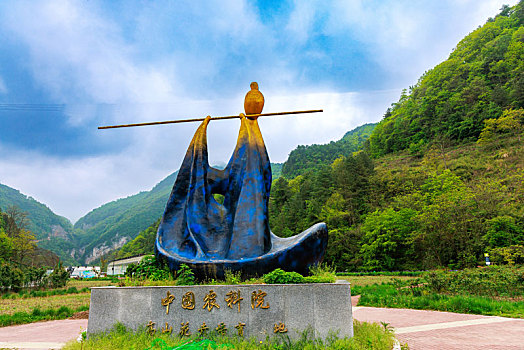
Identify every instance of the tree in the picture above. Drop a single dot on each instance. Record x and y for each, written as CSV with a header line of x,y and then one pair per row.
x,y
386,242
448,229
503,231
16,241
510,122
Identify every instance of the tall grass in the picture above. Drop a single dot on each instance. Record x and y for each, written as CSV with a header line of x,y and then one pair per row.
x,y
366,336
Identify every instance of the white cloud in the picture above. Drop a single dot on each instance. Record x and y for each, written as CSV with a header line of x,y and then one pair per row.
x,y
80,57
407,37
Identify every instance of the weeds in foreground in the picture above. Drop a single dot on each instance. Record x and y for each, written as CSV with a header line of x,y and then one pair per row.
x,y
366,336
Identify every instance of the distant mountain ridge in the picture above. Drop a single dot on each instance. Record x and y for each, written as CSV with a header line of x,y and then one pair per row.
x,y
42,221
52,231
115,223
304,158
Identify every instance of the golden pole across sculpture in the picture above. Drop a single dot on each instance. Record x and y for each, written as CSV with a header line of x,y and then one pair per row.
x,y
213,118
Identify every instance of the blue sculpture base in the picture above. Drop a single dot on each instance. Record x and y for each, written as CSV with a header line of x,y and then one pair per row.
x,y
297,253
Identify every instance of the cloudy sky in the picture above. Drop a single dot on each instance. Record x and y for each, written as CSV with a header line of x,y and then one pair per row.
x,y
67,67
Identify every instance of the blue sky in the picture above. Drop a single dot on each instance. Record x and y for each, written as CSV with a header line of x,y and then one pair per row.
x,y
67,67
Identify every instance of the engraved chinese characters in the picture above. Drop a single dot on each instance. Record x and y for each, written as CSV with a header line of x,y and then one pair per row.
x,y
210,301
167,301
185,301
294,308
257,299
233,297
188,301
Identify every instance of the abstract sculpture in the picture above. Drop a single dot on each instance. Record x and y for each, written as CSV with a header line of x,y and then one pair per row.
x,y
212,237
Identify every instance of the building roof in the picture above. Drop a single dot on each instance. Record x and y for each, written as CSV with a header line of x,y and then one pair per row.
x,y
127,261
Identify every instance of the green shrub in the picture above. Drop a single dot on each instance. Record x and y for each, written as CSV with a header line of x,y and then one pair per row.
x,y
233,277
511,255
505,281
280,276
130,270
319,279
148,268
321,273
35,277
185,276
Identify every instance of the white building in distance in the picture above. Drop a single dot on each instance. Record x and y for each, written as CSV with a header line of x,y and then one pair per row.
x,y
119,267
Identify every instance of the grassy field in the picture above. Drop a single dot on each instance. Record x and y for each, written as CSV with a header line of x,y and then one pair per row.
x,y
494,291
361,281
20,308
72,301
79,284
388,295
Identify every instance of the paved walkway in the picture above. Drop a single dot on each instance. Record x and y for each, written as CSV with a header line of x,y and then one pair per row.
x,y
423,329
420,329
41,335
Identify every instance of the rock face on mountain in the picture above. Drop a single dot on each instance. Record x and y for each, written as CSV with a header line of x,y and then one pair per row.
x,y
115,223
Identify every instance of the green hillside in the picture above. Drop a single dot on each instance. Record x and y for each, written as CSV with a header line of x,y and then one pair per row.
x,y
304,158
18,243
482,77
442,182
53,232
111,225
42,221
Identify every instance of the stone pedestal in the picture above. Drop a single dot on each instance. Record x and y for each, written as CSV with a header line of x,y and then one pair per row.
x,y
241,310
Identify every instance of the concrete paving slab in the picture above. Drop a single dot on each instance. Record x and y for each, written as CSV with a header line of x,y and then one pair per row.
x,y
424,330
41,335
407,317
496,336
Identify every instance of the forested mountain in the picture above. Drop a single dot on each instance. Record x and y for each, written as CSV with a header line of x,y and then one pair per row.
x,y
442,182
143,244
42,221
482,77
115,223
304,158
52,232
18,244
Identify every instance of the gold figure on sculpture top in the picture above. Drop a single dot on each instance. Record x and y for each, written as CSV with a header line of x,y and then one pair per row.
x,y
254,101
